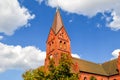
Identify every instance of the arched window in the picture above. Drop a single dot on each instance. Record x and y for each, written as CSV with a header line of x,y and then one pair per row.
x,y
51,56
52,42
52,45
60,41
65,46
93,78
61,34
49,46
85,78
60,44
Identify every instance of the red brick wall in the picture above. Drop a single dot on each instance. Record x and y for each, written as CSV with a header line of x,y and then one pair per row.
x,y
117,77
57,44
88,76
98,77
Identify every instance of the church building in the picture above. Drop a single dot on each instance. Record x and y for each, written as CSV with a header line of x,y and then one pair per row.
x,y
58,42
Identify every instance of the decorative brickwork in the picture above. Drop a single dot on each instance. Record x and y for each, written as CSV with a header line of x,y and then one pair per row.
x,y
58,41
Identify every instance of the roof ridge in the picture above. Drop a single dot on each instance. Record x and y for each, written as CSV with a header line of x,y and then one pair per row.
x,y
85,60
104,69
86,66
107,66
109,61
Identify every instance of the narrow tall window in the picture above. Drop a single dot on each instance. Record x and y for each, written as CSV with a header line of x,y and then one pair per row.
x,y
60,44
52,45
51,56
85,78
65,46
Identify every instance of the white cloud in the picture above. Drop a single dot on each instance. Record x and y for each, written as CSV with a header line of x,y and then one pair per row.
x,y
115,24
40,1
75,55
90,8
13,16
1,37
17,57
115,53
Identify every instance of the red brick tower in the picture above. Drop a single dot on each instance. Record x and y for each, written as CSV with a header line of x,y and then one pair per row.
x,y
58,41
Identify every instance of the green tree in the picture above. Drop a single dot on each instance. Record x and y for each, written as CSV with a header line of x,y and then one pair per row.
x,y
28,75
36,74
60,72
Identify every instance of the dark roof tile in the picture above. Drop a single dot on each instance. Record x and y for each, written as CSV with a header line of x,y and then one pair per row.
x,y
57,23
106,69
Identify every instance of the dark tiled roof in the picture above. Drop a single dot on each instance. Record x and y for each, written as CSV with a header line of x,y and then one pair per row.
x,y
57,23
105,69
110,67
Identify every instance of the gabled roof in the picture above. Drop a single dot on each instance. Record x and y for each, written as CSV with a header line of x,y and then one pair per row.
x,y
57,23
110,67
105,69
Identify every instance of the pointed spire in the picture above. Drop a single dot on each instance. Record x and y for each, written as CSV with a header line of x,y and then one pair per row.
x,y
57,24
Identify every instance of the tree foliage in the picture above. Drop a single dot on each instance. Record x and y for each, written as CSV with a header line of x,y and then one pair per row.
x,y
60,72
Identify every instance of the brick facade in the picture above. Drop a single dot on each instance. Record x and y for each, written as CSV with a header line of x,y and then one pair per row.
x,y
87,76
58,42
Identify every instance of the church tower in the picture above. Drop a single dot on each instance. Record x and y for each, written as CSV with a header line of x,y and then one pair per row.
x,y
58,41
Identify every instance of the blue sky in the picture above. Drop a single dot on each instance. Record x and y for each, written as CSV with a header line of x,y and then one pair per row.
x,y
93,27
